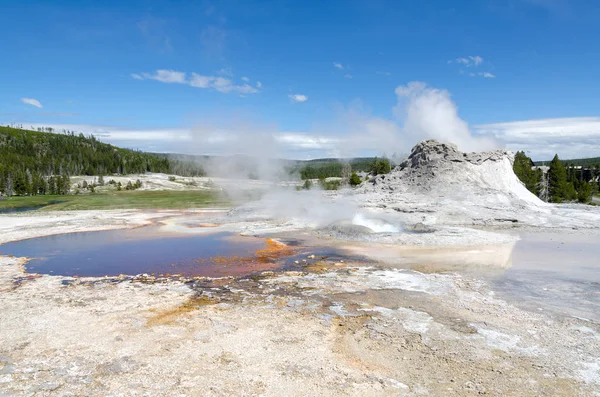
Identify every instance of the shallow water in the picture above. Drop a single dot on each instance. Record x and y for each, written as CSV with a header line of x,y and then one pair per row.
x,y
143,250
11,210
556,273
19,209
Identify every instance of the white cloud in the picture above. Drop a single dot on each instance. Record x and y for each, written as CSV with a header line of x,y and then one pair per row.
x,y
222,84
559,6
485,75
246,79
154,30
305,141
470,61
208,140
338,66
225,72
245,89
199,81
477,60
32,102
421,112
387,73
166,76
214,41
258,84
571,137
298,97
118,135
348,76
218,83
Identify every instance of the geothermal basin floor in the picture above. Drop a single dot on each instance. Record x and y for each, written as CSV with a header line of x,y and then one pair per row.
x,y
331,328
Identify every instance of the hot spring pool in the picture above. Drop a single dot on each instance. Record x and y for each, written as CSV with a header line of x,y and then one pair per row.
x,y
148,250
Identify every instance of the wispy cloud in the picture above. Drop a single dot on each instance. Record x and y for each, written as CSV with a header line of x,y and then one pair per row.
x,y
32,102
485,75
216,141
338,66
347,76
154,31
470,61
164,76
551,5
218,83
59,114
214,41
570,137
41,114
258,84
383,73
246,79
225,72
298,97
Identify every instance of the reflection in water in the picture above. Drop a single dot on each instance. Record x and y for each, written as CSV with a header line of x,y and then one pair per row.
x,y
19,209
558,273
147,250
10,210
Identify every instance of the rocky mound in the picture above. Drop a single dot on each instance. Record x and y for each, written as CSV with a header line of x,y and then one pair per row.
x,y
440,171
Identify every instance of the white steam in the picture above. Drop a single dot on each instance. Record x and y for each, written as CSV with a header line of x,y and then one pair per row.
x,y
420,113
250,149
312,208
309,208
376,225
430,113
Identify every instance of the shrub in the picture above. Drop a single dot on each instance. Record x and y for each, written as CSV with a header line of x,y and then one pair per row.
x,y
330,185
355,179
381,166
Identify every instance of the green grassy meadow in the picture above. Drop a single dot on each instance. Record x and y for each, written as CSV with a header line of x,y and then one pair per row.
x,y
137,199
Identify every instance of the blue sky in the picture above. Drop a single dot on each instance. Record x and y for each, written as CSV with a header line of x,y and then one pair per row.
x,y
316,78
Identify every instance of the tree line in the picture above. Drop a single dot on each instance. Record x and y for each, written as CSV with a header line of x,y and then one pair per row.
x,y
40,162
328,168
563,181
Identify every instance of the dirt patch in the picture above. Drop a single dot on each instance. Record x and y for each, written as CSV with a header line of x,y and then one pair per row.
x,y
169,316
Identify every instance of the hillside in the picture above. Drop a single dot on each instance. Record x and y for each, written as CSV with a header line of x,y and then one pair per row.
x,y
28,160
251,167
331,167
589,162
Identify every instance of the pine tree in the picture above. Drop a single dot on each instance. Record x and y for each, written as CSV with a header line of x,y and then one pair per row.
x,y
354,179
381,166
557,185
523,168
585,192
